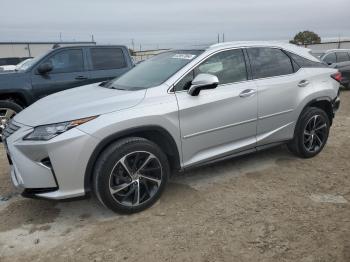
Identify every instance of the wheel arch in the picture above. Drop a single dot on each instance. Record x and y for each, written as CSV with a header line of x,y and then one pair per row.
x,y
324,103
18,98
156,134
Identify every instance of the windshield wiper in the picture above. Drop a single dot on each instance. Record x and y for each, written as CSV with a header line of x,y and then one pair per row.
x,y
117,88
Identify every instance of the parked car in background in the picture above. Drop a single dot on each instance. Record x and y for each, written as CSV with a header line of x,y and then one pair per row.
x,y
339,59
59,69
12,60
177,110
14,67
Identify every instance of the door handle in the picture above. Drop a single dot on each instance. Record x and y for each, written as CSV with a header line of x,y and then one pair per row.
x,y
247,93
303,83
81,78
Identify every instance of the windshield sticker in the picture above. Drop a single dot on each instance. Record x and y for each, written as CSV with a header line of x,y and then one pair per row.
x,y
184,56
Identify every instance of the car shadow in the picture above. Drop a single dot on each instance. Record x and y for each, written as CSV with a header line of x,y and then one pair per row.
x,y
180,189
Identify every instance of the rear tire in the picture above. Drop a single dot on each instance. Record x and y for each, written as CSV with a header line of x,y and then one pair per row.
x,y
130,175
8,109
311,133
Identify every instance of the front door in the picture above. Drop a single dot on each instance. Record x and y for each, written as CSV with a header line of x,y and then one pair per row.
x,y
68,72
220,121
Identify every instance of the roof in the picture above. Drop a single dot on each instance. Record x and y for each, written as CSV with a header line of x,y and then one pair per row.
x,y
88,45
305,52
334,50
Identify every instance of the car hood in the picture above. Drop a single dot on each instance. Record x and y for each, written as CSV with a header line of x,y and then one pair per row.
x,y
76,103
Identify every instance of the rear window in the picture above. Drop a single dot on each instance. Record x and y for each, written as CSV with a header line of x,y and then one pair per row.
x,y
342,57
107,58
268,62
303,62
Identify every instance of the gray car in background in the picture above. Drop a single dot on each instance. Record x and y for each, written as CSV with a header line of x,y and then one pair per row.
x,y
339,59
178,110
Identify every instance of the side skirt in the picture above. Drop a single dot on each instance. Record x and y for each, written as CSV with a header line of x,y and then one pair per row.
x,y
237,154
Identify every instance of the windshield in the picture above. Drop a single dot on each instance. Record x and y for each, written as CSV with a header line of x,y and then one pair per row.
x,y
154,71
317,54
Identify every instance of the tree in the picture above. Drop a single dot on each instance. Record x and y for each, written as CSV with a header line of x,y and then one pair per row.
x,y
306,38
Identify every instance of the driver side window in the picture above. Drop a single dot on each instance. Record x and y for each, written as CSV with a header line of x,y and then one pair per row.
x,y
229,66
67,61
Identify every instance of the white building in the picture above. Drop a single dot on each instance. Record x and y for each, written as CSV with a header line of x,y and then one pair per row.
x,y
322,47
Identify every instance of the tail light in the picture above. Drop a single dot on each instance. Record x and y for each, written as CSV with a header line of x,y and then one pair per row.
x,y
337,77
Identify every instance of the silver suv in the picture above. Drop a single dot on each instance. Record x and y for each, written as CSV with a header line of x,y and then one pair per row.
x,y
183,108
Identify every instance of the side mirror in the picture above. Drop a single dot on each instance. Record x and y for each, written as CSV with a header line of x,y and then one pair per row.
x,y
201,82
44,68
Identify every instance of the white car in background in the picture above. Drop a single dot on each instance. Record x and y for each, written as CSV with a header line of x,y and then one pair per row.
x,y
14,67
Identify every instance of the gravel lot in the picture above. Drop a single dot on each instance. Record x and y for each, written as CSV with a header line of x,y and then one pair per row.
x,y
269,206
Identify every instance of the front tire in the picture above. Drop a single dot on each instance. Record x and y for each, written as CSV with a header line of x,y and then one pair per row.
x,y
311,133
130,175
8,110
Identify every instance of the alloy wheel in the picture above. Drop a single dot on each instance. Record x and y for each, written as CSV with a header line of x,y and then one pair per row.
x,y
135,178
5,115
315,133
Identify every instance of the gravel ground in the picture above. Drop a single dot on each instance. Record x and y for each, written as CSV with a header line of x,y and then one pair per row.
x,y
269,206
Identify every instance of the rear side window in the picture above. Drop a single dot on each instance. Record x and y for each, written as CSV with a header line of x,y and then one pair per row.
x,y
303,62
342,57
107,58
269,62
330,58
67,61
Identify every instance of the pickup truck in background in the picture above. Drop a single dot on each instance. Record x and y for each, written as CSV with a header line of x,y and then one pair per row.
x,y
59,69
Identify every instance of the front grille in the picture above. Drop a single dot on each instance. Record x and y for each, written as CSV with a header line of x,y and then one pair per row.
x,y
9,129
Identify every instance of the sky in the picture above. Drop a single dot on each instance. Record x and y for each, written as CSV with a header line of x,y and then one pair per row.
x,y
163,24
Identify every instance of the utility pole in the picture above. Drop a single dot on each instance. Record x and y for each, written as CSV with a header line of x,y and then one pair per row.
x,y
133,44
60,36
28,47
140,47
92,38
218,38
223,37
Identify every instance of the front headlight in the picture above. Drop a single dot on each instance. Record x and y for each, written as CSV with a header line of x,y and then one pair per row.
x,y
47,132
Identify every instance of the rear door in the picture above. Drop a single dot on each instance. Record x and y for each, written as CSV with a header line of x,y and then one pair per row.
x,y
68,71
277,93
107,62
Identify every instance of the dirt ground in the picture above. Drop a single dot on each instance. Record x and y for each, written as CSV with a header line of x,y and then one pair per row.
x,y
269,206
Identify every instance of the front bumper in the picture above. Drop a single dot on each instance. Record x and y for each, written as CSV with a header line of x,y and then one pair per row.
x,y
53,169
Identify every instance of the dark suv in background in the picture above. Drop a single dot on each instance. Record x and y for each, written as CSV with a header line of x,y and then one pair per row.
x,y
59,69
339,59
